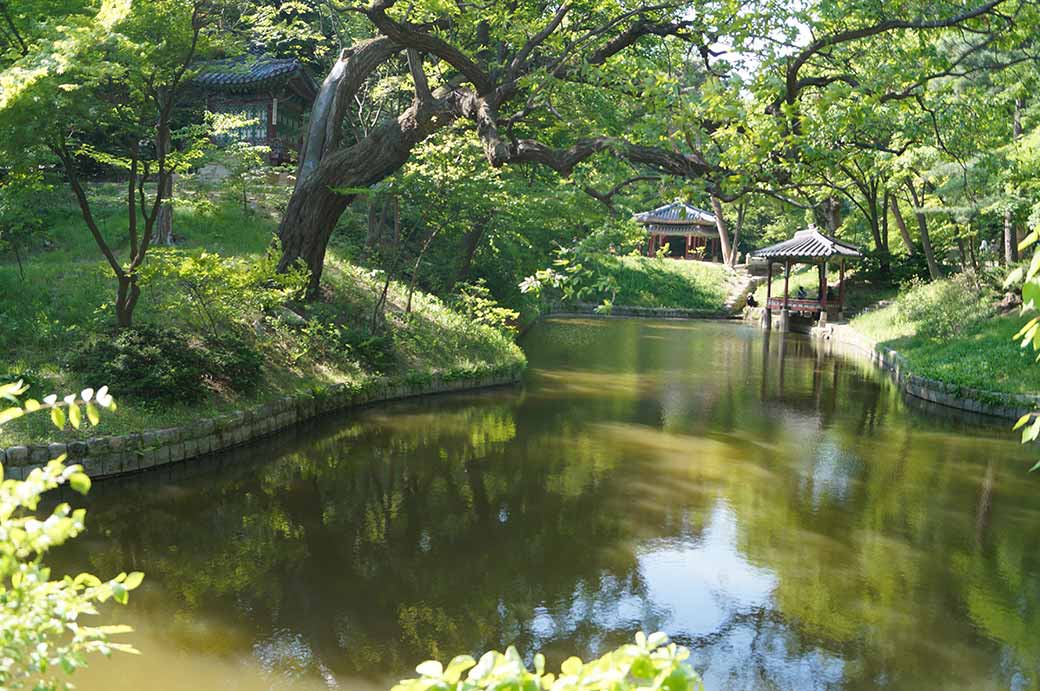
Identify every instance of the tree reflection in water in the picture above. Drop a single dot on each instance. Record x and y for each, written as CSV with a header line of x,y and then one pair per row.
x,y
782,512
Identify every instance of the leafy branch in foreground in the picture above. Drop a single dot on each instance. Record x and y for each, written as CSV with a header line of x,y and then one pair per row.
x,y
40,632
649,664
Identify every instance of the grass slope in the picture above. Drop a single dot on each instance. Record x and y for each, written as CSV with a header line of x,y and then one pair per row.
x,y
949,331
669,283
67,291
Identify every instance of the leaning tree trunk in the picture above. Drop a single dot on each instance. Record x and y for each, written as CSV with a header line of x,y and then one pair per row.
x,y
897,214
329,175
720,223
922,229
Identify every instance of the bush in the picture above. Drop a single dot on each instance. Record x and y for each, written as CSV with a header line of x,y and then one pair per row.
x,y
167,365
946,308
474,300
650,664
234,361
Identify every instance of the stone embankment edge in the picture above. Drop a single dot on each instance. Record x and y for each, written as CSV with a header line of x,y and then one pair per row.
x,y
991,403
105,457
587,309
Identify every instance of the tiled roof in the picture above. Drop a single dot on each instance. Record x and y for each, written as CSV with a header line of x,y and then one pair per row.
x,y
808,243
678,213
247,72
699,229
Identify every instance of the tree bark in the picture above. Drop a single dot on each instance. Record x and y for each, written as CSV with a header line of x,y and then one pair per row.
x,y
901,224
470,243
164,217
1010,234
720,224
917,200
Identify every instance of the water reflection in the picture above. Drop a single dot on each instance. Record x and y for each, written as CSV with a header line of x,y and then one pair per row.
x,y
781,511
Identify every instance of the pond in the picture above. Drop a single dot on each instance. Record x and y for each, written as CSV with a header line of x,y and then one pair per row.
x,y
785,514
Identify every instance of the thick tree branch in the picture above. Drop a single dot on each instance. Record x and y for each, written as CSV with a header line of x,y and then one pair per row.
x,y
411,37
607,198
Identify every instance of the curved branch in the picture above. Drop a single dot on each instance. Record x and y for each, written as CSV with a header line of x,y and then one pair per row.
x,y
409,37
344,80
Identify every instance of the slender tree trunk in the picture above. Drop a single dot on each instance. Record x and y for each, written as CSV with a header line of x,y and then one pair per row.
x,y
720,224
415,269
126,300
470,243
901,224
1010,234
164,220
917,200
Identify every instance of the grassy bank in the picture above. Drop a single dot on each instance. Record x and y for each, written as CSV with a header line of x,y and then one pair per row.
x,y
667,283
222,339
951,331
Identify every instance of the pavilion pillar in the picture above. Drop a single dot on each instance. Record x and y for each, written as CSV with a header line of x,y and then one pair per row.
x,y
841,289
767,320
823,292
785,313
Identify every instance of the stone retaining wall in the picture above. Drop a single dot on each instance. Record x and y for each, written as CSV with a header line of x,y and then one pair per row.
x,y
110,456
591,309
842,337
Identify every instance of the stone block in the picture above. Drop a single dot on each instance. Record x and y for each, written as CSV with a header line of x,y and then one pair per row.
x,y
55,450
17,455
39,454
93,465
176,452
77,450
150,438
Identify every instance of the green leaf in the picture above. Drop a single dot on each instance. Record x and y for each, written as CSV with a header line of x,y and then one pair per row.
x,y
92,414
1021,421
79,482
571,666
133,580
75,415
430,668
58,417
10,414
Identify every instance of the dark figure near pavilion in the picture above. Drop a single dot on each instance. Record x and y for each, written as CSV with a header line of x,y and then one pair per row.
x,y
751,301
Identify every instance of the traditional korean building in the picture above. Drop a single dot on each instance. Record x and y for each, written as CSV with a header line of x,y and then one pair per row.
x,y
809,246
689,232
274,92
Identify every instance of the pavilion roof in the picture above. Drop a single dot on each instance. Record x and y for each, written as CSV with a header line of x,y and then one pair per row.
x,y
809,244
254,72
675,214
698,229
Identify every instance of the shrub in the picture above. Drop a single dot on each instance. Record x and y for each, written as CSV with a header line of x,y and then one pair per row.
x,y
167,365
649,664
946,308
233,360
474,300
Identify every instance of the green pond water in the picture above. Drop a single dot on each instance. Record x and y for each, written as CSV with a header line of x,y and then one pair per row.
x,y
784,513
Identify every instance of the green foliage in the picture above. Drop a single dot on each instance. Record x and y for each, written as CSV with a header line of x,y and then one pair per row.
x,y
649,664
21,210
164,365
475,301
213,291
41,633
947,308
